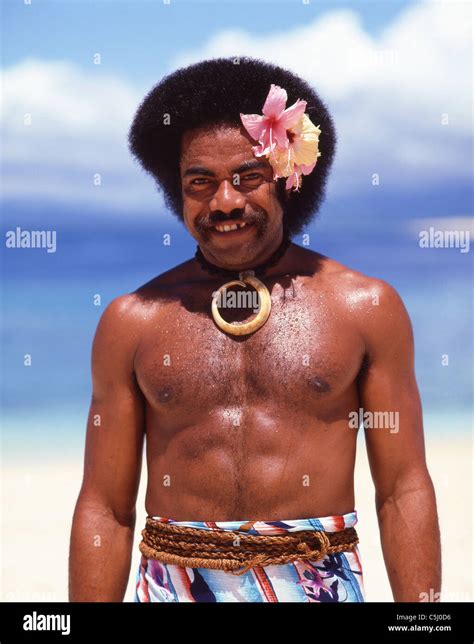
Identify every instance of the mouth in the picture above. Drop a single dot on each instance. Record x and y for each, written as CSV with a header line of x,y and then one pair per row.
x,y
233,228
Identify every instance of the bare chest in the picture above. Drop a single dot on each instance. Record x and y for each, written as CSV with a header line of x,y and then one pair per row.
x,y
307,354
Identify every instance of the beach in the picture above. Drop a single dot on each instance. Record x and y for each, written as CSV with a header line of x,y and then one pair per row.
x,y
38,500
86,221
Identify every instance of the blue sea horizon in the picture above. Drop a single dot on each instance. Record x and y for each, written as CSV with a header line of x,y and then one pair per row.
x,y
48,307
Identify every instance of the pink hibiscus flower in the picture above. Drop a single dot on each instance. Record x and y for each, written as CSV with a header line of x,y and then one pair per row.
x,y
286,136
270,129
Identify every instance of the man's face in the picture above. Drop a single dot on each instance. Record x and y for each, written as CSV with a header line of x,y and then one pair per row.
x,y
224,184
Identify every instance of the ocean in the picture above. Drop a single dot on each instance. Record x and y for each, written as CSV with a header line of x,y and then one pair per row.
x,y
49,313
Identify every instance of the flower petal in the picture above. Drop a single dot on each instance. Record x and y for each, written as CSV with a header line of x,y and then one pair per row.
x,y
275,102
254,124
307,169
259,150
279,134
266,142
292,114
305,151
293,181
306,142
282,162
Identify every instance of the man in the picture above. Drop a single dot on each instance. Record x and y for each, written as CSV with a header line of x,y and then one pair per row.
x,y
249,410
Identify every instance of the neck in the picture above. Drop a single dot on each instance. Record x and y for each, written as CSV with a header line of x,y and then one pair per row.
x,y
260,266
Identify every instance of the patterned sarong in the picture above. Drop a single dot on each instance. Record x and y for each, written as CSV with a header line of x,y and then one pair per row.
x,y
335,578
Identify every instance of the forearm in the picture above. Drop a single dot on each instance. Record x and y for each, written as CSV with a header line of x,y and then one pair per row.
x,y
410,541
100,554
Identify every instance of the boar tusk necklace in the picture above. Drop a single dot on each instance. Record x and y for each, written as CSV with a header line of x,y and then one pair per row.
x,y
245,278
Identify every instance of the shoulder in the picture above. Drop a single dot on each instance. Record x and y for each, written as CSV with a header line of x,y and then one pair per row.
x,y
159,286
370,303
362,293
127,313
354,288
118,328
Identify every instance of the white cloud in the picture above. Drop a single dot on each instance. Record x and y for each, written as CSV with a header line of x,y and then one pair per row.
x,y
388,94
60,95
78,125
461,222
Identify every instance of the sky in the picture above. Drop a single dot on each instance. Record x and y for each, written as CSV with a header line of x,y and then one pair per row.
x,y
56,29
394,74
397,78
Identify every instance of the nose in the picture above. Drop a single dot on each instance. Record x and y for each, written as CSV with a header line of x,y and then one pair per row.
x,y
227,198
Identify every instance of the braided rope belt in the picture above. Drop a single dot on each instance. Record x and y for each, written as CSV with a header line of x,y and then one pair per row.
x,y
235,552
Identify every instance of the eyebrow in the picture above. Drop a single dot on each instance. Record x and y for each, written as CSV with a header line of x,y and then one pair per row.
x,y
246,165
250,165
195,169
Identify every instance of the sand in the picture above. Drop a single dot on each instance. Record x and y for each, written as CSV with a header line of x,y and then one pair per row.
x,y
38,501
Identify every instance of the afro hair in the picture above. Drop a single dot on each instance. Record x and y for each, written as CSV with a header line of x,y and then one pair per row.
x,y
214,92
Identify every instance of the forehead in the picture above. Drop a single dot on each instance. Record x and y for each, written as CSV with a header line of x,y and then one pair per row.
x,y
213,146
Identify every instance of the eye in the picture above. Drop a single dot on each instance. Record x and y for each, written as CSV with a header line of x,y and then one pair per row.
x,y
200,181
252,177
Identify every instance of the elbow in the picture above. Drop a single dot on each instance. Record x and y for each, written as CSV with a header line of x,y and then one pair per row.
x,y
410,490
100,510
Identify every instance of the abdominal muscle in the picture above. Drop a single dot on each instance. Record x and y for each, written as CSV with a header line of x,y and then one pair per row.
x,y
257,465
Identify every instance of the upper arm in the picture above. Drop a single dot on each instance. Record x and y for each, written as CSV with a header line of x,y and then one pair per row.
x,y
115,428
388,384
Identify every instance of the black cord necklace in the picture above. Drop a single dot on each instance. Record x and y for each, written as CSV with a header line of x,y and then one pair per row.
x,y
245,278
257,271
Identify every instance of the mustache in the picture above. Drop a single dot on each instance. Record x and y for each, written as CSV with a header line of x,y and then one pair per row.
x,y
257,216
